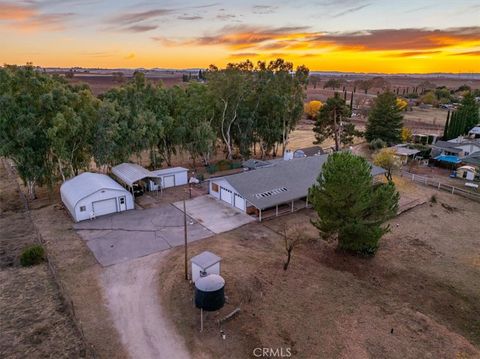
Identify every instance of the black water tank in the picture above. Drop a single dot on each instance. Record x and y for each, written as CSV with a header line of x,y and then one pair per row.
x,y
209,292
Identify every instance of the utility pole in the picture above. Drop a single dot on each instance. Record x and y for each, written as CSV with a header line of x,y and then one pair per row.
x,y
186,235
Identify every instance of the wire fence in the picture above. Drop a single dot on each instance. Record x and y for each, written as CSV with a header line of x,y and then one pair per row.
x,y
88,350
440,186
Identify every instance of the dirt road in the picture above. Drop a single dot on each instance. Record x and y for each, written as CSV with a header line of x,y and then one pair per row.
x,y
131,290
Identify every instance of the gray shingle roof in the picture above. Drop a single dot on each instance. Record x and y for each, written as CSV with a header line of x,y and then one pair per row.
x,y
473,159
281,183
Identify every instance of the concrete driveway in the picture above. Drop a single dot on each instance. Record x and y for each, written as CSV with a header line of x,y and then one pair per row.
x,y
124,236
214,214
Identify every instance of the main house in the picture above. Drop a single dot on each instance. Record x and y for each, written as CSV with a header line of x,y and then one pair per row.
x,y
276,186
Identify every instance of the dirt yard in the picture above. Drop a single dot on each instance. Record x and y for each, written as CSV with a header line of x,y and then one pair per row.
x,y
33,320
419,297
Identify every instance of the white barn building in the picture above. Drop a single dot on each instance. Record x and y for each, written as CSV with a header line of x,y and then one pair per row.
x,y
92,194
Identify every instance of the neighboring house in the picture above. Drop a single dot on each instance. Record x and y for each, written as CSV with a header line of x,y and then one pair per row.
x,y
472,159
404,153
454,150
90,195
131,174
474,132
278,185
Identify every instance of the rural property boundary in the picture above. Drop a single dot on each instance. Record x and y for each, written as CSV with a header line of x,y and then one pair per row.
x,y
440,186
88,349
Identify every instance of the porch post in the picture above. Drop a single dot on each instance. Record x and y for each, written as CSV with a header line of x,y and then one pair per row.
x,y
276,210
260,215
306,202
292,206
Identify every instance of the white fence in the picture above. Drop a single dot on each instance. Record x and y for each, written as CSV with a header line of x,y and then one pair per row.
x,y
441,186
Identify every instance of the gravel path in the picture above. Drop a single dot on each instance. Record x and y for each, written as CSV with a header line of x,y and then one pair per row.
x,y
132,297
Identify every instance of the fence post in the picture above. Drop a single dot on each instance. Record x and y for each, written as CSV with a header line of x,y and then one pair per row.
x,y
413,177
453,189
439,186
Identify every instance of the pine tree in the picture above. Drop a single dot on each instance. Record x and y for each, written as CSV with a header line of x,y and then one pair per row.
x,y
350,207
385,120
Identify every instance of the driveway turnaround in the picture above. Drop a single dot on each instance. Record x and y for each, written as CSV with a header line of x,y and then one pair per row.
x,y
124,236
214,214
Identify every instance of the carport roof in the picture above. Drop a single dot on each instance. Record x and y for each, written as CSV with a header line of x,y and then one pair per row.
x,y
281,183
129,173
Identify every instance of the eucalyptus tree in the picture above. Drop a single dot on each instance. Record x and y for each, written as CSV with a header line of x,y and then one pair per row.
x,y
230,87
196,116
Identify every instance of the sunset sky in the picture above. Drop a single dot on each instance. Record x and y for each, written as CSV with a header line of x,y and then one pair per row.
x,y
326,35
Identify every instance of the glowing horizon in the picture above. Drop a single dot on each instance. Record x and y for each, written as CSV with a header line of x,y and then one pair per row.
x,y
325,35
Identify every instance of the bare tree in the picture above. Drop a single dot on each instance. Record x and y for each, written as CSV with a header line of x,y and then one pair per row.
x,y
293,237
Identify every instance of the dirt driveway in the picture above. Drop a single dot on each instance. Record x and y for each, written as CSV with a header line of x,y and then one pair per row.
x,y
124,236
216,215
131,290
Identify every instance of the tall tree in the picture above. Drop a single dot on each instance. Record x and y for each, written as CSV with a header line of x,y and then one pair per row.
x,y
385,120
230,87
333,121
469,111
197,134
350,207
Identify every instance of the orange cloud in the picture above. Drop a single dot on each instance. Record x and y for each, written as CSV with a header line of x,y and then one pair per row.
x,y
297,38
29,18
13,11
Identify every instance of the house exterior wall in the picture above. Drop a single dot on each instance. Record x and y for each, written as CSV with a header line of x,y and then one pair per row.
x,y
468,149
223,183
181,178
99,196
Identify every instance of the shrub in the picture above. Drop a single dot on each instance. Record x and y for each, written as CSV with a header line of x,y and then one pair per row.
x,y
32,255
235,165
377,144
212,169
200,177
433,199
223,165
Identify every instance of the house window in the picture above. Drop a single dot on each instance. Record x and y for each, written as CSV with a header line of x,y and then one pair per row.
x,y
466,153
122,200
214,187
83,208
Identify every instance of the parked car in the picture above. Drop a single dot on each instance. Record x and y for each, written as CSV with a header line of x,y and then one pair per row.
x,y
137,190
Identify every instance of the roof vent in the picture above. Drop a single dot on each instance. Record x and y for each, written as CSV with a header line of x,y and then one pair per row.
x,y
271,192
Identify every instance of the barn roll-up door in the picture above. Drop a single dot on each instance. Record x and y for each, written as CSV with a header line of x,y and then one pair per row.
x,y
239,202
105,206
168,181
226,195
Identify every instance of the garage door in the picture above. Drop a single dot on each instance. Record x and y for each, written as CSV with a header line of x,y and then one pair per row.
x,y
239,202
168,181
105,207
226,195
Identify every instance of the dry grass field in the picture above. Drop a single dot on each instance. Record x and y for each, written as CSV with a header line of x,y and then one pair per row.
x,y
33,320
419,297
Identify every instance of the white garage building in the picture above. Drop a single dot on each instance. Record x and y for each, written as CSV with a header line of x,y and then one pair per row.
x,y
93,194
173,176
131,173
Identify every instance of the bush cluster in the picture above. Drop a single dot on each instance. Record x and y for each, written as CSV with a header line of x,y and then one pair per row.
x,y
32,255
